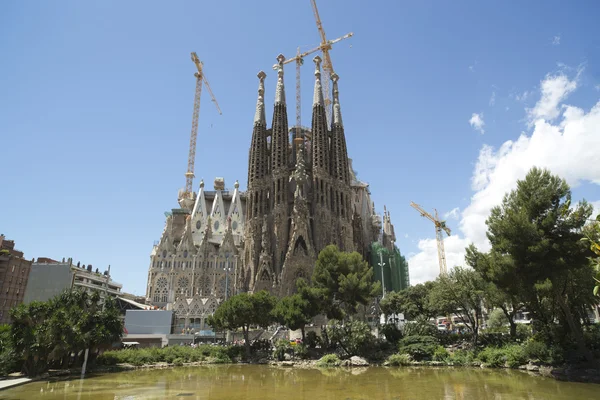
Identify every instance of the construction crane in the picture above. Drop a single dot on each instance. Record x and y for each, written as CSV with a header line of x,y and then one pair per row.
x,y
299,59
187,197
439,226
327,65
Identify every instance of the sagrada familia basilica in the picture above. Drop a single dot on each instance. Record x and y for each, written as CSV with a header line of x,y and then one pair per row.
x,y
302,195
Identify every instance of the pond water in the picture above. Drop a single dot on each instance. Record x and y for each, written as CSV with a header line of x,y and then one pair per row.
x,y
264,382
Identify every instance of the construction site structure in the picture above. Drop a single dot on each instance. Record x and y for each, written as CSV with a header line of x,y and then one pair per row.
x,y
186,196
439,226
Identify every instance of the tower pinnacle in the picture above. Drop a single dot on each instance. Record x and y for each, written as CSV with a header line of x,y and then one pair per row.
x,y
318,96
337,112
280,91
259,117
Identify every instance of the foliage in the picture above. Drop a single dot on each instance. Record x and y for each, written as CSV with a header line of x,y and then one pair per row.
x,y
536,243
492,356
282,346
300,351
397,360
184,354
461,357
461,292
329,360
420,327
391,332
46,333
244,310
419,347
412,301
497,321
299,309
312,339
592,236
344,280
353,337
8,359
539,351
440,354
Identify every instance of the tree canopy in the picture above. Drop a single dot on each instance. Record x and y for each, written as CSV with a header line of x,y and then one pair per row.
x,y
345,281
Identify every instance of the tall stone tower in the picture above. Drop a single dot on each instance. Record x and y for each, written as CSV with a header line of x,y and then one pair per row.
x,y
299,196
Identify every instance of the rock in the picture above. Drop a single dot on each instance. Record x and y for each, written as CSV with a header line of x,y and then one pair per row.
x,y
356,361
534,368
286,363
287,357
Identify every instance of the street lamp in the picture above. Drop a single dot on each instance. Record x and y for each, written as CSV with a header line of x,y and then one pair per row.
x,y
227,269
381,264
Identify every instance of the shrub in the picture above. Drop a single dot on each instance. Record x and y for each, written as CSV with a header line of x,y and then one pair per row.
x,y
311,339
301,351
353,336
491,356
461,357
440,354
392,333
536,351
419,347
329,360
396,360
282,346
178,361
514,355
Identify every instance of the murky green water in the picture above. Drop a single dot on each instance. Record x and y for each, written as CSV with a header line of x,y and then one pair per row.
x,y
263,382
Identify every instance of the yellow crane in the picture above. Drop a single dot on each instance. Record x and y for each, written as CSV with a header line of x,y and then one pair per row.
x,y
327,65
187,197
299,59
439,226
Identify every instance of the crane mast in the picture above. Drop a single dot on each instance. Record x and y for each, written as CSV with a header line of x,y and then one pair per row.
x,y
299,59
439,227
327,65
186,198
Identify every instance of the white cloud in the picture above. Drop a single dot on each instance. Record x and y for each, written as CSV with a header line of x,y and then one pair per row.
x,y
493,99
454,213
556,41
567,147
554,90
472,68
597,87
477,123
596,205
406,235
523,96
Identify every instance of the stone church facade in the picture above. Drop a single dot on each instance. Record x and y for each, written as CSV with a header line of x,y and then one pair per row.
x,y
302,195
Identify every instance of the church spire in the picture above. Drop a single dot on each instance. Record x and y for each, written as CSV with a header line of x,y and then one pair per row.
x,y
259,117
337,112
280,91
318,96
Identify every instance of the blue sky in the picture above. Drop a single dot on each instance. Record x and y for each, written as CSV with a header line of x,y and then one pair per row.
x,y
96,103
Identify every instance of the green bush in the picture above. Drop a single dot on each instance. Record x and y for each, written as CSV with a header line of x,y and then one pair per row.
x,y
185,354
282,346
311,339
391,332
440,354
300,351
178,361
419,347
515,356
397,360
329,360
492,356
353,337
461,357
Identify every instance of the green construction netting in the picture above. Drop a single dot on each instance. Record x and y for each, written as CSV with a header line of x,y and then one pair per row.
x,y
395,267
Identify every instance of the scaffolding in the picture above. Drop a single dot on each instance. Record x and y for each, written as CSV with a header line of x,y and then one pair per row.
x,y
395,267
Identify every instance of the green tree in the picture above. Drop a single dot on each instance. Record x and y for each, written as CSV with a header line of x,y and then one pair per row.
x,y
344,280
461,292
46,333
537,237
244,310
592,236
299,309
503,291
412,302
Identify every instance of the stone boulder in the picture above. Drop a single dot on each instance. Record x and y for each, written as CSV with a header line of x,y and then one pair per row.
x,y
356,361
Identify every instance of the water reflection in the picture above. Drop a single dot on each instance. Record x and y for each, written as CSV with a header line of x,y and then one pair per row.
x,y
262,382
